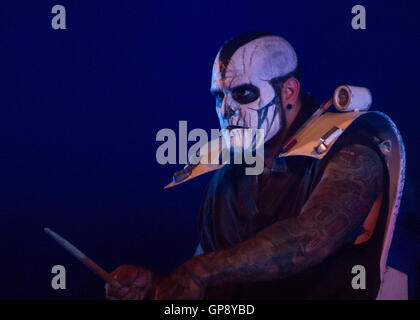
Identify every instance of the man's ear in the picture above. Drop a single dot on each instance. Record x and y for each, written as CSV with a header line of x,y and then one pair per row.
x,y
290,100
290,92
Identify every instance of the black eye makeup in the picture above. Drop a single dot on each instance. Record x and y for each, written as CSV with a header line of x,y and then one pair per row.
x,y
245,93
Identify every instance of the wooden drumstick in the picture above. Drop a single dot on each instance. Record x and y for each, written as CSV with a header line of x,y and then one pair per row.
x,y
89,263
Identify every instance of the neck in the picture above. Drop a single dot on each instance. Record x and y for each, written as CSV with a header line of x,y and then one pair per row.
x,y
273,146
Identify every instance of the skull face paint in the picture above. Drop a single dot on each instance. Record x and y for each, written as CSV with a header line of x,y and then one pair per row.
x,y
242,83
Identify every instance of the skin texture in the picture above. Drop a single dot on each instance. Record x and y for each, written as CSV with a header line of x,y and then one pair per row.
x,y
350,184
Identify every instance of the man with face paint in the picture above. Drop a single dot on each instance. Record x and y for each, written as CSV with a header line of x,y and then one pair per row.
x,y
288,232
247,82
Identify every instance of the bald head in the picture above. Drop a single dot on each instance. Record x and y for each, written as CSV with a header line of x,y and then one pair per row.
x,y
268,54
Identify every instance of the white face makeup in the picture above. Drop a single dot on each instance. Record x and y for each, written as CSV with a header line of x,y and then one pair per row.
x,y
242,88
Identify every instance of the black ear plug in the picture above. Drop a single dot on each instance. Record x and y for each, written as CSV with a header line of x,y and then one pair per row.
x,y
289,107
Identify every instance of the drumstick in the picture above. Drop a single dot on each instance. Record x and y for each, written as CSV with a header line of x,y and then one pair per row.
x,y
89,263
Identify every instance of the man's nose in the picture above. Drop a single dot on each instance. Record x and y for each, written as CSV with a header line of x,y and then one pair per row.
x,y
227,110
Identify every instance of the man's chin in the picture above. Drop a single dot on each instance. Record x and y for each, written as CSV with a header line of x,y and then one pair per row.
x,y
241,140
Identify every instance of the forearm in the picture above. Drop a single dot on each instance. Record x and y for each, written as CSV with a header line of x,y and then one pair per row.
x,y
273,253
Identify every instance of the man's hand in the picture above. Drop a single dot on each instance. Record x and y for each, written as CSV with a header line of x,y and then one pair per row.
x,y
136,283
141,284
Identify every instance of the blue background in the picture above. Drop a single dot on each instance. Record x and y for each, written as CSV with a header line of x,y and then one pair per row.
x,y
80,109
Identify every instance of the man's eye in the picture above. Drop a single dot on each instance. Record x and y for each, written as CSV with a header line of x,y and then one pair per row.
x,y
245,94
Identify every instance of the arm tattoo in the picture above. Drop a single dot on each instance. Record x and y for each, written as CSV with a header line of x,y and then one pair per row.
x,y
350,184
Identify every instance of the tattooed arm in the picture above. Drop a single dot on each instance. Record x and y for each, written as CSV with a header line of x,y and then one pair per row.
x,y
349,186
351,182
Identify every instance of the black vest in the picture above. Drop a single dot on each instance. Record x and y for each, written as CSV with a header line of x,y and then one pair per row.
x,y
236,206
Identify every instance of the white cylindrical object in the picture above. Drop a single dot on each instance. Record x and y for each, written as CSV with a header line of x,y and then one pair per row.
x,y
351,98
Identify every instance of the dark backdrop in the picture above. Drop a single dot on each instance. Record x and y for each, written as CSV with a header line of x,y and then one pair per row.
x,y
80,109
